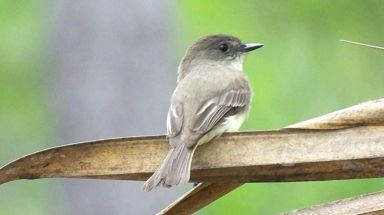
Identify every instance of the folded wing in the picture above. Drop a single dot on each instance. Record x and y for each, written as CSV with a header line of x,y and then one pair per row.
x,y
214,110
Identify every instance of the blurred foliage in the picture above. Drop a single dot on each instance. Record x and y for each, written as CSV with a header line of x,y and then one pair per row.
x,y
302,71
24,124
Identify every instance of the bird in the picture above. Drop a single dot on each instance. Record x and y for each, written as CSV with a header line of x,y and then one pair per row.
x,y
212,96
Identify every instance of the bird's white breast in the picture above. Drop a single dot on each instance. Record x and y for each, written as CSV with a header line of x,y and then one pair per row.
x,y
231,124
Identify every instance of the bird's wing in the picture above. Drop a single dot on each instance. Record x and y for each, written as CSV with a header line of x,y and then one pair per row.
x,y
174,119
212,111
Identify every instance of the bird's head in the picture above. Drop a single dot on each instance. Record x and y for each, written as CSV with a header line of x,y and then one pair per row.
x,y
216,49
220,47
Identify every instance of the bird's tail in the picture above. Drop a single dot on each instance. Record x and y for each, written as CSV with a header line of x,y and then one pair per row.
x,y
174,170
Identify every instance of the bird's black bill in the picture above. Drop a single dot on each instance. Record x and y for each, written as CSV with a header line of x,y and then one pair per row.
x,y
250,47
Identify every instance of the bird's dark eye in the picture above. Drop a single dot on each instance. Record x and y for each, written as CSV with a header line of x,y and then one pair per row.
x,y
223,47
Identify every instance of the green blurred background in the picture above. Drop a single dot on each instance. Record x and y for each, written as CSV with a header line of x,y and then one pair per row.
x,y
303,71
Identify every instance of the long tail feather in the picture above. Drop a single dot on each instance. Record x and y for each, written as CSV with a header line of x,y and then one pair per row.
x,y
175,169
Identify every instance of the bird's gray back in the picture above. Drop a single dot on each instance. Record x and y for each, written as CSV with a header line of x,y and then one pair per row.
x,y
193,90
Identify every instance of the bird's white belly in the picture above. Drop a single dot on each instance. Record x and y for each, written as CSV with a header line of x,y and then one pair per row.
x,y
231,124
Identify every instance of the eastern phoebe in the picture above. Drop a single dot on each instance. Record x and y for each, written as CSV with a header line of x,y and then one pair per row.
x,y
212,96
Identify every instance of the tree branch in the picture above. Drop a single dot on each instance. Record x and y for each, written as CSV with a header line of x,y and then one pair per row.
x,y
341,145
365,204
286,155
368,113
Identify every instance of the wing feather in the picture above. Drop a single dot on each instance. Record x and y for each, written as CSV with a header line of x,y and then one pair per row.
x,y
212,111
175,119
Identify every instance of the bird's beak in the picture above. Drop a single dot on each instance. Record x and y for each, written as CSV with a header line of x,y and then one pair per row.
x,y
250,47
